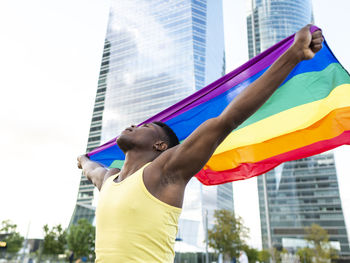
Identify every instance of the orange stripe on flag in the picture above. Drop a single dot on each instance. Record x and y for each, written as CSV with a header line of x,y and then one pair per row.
x,y
332,125
248,170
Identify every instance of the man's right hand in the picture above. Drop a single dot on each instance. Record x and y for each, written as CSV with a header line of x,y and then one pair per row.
x,y
93,171
80,159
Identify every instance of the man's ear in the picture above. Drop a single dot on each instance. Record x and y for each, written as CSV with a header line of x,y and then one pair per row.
x,y
160,146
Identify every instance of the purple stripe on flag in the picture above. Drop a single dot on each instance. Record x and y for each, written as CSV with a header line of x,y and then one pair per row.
x,y
108,144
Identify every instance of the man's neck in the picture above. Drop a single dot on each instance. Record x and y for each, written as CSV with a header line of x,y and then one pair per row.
x,y
134,160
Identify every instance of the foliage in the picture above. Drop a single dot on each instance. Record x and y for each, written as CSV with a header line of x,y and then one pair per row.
x,y
12,238
228,233
277,253
320,249
55,240
81,238
316,235
264,256
252,254
305,255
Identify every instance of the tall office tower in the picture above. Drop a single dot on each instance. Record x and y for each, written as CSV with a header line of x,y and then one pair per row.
x,y
270,21
305,191
156,53
300,193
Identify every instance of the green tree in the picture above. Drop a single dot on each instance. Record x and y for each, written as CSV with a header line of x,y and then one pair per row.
x,y
264,256
228,234
81,238
305,255
55,240
252,254
10,235
277,253
320,248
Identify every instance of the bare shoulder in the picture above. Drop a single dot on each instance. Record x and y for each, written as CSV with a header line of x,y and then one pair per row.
x,y
164,184
158,171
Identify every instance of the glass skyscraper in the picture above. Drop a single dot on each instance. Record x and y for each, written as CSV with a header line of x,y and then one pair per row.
x,y
270,21
156,53
300,192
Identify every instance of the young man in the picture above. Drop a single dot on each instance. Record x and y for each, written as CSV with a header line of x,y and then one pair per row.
x,y
138,210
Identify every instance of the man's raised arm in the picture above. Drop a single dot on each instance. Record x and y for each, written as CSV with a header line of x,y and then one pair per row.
x,y
95,172
187,159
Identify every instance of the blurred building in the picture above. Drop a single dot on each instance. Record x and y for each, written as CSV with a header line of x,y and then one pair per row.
x,y
270,21
300,193
304,191
156,53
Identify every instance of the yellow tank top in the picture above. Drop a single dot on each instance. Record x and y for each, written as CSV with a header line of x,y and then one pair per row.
x,y
132,225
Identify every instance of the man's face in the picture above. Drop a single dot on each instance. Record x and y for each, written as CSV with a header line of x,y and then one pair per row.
x,y
142,137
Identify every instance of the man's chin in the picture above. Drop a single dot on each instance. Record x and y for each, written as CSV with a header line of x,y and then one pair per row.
x,y
122,141
120,138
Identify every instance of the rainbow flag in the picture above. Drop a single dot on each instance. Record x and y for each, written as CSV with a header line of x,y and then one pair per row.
x,y
308,114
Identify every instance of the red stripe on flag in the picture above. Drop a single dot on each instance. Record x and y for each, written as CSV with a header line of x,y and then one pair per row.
x,y
248,170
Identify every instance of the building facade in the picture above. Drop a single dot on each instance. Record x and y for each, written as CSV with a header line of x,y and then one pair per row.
x,y
270,21
156,53
300,192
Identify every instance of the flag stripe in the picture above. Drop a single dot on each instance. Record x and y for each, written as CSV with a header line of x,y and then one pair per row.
x,y
248,170
295,85
186,123
302,89
308,114
227,88
332,125
288,121
247,140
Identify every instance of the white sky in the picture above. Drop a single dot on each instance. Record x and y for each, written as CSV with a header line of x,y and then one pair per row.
x,y
50,54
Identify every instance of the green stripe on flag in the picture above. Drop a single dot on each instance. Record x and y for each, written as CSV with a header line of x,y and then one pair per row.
x,y
301,89
117,164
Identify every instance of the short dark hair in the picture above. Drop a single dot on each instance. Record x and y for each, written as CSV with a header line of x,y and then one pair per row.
x,y
172,138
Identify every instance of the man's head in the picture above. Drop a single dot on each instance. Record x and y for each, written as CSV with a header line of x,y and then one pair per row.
x,y
170,135
156,137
